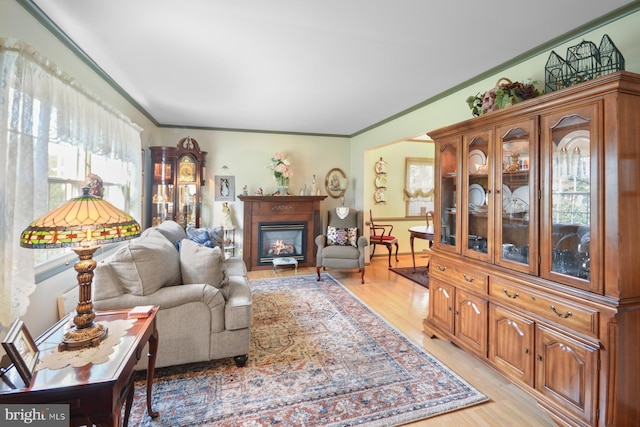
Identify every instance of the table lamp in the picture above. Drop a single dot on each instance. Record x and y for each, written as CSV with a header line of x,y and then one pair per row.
x,y
83,224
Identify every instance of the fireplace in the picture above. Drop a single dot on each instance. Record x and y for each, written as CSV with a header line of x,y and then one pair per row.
x,y
264,238
281,240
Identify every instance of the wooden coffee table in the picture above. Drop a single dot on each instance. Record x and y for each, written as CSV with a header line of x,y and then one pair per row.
x,y
95,393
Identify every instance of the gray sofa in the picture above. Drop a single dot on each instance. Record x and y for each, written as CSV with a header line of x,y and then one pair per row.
x,y
205,301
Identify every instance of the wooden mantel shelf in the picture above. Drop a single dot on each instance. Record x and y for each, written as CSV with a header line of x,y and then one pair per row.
x,y
260,209
281,199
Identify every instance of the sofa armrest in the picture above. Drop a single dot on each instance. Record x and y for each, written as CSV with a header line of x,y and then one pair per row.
x,y
238,311
167,297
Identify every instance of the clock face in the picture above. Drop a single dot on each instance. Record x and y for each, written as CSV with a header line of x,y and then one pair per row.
x,y
187,172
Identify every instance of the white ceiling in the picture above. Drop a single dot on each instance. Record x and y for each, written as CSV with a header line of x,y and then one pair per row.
x,y
327,67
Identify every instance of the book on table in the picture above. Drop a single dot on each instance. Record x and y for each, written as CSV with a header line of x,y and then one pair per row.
x,y
141,311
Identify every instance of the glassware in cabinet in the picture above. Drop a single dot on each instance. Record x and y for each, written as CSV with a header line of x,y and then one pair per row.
x,y
570,220
516,198
476,228
447,199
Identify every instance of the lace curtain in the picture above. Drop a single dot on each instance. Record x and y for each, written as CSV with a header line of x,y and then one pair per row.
x,y
39,103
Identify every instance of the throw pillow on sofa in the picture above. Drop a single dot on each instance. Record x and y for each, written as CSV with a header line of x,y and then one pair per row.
x,y
216,235
147,264
200,264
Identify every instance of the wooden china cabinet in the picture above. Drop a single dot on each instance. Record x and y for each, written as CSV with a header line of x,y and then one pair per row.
x,y
535,268
176,181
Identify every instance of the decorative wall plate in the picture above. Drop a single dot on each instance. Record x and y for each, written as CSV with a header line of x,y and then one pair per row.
x,y
381,181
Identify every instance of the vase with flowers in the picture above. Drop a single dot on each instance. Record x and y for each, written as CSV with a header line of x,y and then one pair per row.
x,y
282,171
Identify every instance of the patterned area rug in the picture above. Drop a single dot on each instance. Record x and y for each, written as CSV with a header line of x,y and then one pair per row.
x,y
421,275
319,357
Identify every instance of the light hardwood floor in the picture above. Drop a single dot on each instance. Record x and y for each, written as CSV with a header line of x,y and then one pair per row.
x,y
404,304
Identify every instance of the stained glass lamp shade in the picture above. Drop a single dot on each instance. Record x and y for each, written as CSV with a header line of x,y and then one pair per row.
x,y
83,224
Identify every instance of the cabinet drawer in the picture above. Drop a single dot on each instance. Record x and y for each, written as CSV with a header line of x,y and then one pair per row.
x,y
567,314
459,275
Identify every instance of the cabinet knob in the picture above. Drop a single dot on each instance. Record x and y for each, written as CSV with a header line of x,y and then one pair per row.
x,y
441,268
539,358
468,279
526,351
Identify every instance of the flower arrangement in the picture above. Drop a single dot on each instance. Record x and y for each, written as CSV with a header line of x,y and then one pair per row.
x,y
504,94
281,167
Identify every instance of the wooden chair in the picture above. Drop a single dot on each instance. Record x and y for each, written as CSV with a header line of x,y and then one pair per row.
x,y
430,226
381,235
430,230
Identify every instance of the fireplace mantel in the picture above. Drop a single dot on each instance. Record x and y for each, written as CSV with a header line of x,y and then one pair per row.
x,y
259,209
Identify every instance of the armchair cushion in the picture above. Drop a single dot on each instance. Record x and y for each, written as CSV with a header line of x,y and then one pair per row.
x,y
202,264
342,236
146,265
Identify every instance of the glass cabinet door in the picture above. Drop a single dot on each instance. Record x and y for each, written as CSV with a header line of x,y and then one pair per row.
x,y
516,197
446,194
187,191
477,229
176,183
570,173
162,193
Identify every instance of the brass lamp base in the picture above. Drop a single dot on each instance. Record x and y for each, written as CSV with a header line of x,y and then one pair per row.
x,y
86,337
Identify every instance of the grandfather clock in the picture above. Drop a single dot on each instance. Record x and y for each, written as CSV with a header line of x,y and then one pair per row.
x,y
177,175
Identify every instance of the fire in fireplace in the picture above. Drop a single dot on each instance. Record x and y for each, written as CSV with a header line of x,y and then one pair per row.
x,y
281,239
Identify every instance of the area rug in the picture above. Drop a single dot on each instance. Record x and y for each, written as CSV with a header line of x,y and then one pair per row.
x,y
318,357
421,275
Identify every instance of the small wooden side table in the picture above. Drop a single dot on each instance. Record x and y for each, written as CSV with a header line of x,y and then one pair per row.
x,y
95,393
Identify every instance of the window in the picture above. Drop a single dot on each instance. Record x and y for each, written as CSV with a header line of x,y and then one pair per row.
x,y
69,167
418,187
55,133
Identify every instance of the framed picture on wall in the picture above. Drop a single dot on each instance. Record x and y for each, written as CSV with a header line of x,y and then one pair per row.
x,y
225,188
21,349
335,183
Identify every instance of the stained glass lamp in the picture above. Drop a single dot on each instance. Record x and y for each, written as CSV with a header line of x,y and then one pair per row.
x,y
82,224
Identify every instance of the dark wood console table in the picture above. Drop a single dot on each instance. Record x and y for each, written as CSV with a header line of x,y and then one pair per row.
x,y
95,393
279,208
